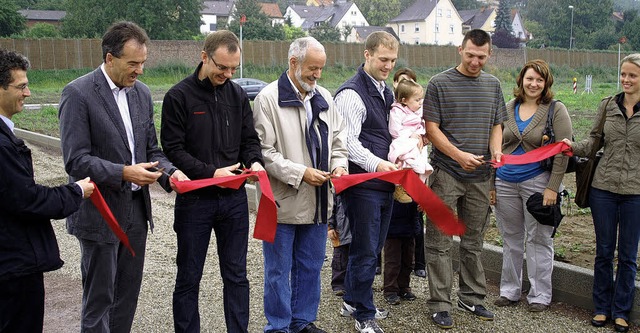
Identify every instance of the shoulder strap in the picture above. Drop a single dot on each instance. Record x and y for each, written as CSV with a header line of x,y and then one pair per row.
x,y
548,129
597,144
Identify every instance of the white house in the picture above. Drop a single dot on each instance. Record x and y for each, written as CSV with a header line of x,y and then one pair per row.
x,y
483,18
434,22
214,13
340,15
517,27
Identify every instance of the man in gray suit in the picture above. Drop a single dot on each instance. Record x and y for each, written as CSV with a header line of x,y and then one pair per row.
x,y
108,134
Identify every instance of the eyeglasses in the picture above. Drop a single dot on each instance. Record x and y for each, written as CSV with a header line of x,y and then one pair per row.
x,y
224,68
21,86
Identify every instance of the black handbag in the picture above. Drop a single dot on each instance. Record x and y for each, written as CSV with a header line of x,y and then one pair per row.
x,y
548,137
586,166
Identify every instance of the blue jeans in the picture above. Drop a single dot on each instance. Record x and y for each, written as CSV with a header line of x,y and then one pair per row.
x,y
614,216
292,265
369,213
195,218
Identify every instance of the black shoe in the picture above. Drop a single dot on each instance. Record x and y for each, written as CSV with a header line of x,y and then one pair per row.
x,y
442,319
599,322
618,325
392,299
378,270
311,328
420,273
479,310
407,296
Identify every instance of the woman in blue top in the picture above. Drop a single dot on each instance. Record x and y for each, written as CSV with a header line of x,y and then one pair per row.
x,y
514,184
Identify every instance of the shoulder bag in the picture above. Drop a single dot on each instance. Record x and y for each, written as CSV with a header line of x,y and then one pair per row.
x,y
586,166
549,136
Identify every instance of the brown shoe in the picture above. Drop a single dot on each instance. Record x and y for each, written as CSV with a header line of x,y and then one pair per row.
x,y
537,307
620,325
503,301
401,195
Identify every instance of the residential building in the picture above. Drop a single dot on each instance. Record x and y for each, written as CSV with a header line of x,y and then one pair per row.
x,y
434,22
215,14
53,17
517,27
483,18
342,15
273,12
361,33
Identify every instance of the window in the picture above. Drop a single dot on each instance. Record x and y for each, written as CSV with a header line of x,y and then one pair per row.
x,y
451,28
448,12
437,27
417,41
417,27
402,28
439,12
354,13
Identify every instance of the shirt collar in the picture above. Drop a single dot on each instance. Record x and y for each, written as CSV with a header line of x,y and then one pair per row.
x,y
8,122
620,102
380,85
298,93
112,86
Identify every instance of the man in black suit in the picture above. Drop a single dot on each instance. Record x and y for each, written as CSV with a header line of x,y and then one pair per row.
x,y
28,245
107,133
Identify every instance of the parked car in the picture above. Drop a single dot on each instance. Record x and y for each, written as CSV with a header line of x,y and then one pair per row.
x,y
251,86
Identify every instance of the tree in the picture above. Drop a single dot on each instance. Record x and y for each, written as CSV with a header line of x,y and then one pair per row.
x,y
503,39
162,19
291,32
43,30
378,12
503,17
465,4
11,22
325,33
258,25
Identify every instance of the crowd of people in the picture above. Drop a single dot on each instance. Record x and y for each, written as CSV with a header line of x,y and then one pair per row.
x,y
302,136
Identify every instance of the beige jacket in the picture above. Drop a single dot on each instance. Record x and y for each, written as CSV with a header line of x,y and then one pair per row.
x,y
531,137
619,168
286,156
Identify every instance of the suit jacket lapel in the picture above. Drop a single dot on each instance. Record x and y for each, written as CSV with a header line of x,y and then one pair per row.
x,y
106,96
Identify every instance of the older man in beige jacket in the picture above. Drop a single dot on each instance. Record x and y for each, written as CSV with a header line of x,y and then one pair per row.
x,y
303,144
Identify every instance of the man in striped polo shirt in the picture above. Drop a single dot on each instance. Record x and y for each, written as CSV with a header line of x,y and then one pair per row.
x,y
464,110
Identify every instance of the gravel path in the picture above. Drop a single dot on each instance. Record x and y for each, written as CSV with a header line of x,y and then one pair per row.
x,y
154,309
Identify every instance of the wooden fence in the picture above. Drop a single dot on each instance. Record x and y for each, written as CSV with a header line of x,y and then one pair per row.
x,y
87,53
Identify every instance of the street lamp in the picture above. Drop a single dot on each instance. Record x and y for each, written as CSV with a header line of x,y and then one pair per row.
x,y
571,35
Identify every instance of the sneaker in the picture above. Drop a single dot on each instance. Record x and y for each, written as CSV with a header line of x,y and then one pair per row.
x,y
348,310
311,328
407,296
368,326
378,270
442,319
503,301
420,273
479,310
392,299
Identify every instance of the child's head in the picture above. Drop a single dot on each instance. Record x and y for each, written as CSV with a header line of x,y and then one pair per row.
x,y
410,93
403,74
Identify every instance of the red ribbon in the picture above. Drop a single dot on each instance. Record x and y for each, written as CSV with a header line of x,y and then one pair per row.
x,y
439,213
98,200
267,217
535,155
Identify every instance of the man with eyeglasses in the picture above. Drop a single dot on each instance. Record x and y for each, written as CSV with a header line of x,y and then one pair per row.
x,y
207,131
28,245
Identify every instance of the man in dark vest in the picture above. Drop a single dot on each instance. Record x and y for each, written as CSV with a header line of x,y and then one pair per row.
x,y
364,101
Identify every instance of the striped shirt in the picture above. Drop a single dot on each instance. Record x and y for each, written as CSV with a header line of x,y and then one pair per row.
x,y
466,108
350,106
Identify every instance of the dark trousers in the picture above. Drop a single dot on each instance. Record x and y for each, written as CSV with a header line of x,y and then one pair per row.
x,y
339,266
195,218
22,304
369,214
419,253
398,264
111,277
